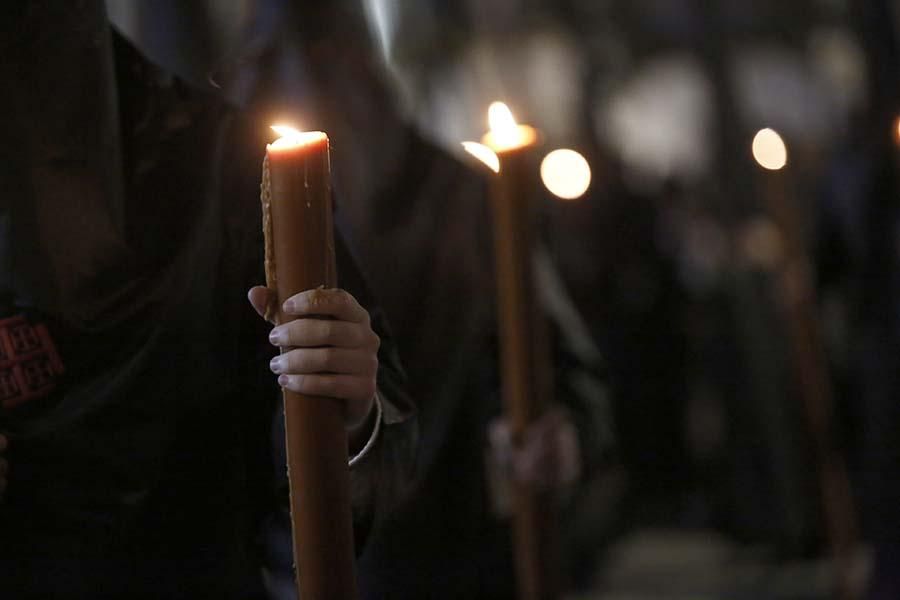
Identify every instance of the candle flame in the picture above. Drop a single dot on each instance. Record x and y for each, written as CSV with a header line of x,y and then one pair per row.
x,y
292,137
287,131
566,174
484,154
505,133
500,118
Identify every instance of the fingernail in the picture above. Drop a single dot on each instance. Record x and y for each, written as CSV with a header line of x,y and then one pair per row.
x,y
289,306
276,364
282,380
275,337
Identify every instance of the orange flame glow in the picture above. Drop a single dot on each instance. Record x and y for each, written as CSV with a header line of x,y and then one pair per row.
x,y
292,137
505,134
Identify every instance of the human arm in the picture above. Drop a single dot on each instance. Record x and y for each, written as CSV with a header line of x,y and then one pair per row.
x,y
573,438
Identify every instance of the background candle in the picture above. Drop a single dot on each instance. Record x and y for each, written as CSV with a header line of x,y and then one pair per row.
x,y
297,215
525,365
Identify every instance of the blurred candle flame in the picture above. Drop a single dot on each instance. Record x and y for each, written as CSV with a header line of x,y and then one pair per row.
x,y
484,154
566,173
500,119
286,131
505,133
769,150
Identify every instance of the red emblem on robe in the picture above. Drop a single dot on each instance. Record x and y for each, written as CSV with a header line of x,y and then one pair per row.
x,y
29,361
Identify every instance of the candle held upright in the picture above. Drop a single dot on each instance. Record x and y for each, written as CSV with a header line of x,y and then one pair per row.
x,y
796,295
298,222
524,355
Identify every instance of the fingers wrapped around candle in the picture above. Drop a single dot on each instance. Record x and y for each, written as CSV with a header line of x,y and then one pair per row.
x,y
334,354
549,455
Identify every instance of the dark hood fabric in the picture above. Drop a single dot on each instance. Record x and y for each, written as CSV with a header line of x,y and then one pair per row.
x,y
60,159
130,474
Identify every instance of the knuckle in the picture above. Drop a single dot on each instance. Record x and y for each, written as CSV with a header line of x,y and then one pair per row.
x,y
327,330
329,358
373,340
316,298
372,364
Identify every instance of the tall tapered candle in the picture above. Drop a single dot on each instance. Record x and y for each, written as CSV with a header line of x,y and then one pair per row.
x,y
508,149
798,301
297,215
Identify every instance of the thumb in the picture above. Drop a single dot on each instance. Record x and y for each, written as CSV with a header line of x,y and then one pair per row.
x,y
259,298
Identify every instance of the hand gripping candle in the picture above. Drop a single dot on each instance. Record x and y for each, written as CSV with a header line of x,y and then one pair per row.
x,y
299,255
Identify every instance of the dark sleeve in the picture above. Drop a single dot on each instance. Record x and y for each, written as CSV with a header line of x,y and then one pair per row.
x,y
581,376
379,480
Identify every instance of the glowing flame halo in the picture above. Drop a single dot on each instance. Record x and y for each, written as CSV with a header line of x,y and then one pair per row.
x,y
566,173
769,150
292,137
505,134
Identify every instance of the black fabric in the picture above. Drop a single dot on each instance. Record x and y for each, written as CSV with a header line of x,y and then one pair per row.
x,y
128,480
148,472
60,155
431,263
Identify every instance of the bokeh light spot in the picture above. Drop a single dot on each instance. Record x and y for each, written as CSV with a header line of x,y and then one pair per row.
x,y
769,150
566,174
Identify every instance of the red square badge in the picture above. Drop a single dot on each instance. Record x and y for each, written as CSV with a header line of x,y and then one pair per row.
x,y
29,361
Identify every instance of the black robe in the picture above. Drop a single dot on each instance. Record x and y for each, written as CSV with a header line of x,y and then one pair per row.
x,y
131,215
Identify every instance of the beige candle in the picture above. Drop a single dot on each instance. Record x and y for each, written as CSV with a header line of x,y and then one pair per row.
x,y
509,150
299,229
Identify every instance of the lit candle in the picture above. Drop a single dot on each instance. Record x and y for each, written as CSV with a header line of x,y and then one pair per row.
x,y
509,150
513,192
299,228
796,295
